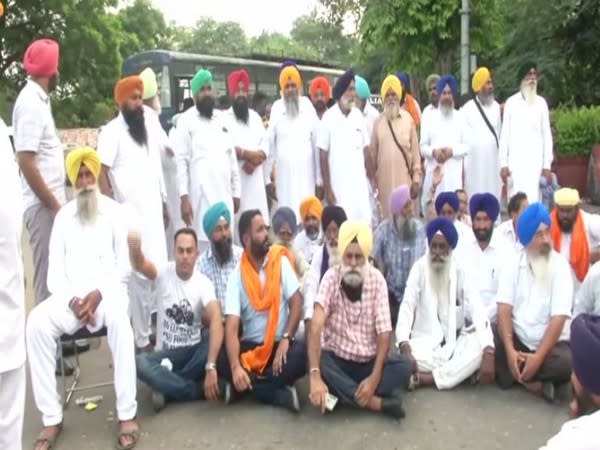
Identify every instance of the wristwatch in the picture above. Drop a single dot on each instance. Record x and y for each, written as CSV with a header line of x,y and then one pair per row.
x,y
288,337
210,366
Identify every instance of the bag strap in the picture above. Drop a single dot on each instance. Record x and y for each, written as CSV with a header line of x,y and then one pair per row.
x,y
487,122
408,166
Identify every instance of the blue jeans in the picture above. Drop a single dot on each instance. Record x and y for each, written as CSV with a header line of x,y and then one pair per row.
x,y
343,377
182,383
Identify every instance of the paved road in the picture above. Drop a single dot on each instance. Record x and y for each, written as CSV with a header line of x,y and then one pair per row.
x,y
469,418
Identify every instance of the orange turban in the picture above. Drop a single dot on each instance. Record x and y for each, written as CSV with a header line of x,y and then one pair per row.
x,y
311,206
287,74
323,84
235,78
125,87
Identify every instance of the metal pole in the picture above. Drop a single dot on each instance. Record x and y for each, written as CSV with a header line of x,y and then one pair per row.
x,y
465,47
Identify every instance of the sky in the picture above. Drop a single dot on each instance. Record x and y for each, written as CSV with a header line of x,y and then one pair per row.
x,y
254,16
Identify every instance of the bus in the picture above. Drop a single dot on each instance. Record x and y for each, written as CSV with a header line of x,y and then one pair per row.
x,y
174,70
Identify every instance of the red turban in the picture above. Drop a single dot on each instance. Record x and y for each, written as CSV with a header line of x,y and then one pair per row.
x,y
235,78
41,58
323,84
125,87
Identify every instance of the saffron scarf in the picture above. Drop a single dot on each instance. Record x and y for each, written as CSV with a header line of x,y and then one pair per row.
x,y
580,250
411,106
267,300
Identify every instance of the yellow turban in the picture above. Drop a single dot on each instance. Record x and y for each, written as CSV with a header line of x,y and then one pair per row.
x,y
567,197
391,82
287,74
311,206
480,77
360,231
86,156
150,84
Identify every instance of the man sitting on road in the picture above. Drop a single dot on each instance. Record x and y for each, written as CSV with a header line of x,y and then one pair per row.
x,y
351,325
284,228
87,277
310,238
185,368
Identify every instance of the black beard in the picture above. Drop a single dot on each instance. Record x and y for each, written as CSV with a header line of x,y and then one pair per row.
x,y
260,249
483,235
52,83
566,226
137,126
320,105
240,109
222,250
205,107
354,293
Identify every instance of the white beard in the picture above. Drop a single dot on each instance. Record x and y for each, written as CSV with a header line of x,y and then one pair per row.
x,y
529,91
391,110
486,100
353,277
446,110
292,106
334,256
540,266
439,276
87,204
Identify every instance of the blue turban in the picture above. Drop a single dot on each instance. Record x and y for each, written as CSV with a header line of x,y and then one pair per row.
x,y
362,88
449,197
447,80
286,63
530,220
585,350
342,84
404,79
445,227
487,203
212,217
282,216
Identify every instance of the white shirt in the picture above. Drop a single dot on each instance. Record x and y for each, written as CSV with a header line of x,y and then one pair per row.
x,y
12,291
437,132
534,305
181,302
370,114
34,131
207,166
525,144
86,257
137,181
311,282
308,246
482,164
345,138
587,299
577,434
506,232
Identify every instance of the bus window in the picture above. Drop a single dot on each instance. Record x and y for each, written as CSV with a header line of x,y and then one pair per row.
x,y
164,86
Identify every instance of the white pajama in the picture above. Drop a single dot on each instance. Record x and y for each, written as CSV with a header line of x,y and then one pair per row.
x,y
12,399
52,318
142,303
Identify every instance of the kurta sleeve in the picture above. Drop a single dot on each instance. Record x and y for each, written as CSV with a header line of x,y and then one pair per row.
x,y
57,280
121,246
406,314
426,141
461,148
505,134
236,182
315,149
272,156
477,312
182,141
548,155
107,146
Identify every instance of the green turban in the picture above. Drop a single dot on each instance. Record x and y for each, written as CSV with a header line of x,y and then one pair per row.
x,y
212,217
202,78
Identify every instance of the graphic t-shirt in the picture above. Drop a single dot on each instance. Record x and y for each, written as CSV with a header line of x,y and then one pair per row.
x,y
180,307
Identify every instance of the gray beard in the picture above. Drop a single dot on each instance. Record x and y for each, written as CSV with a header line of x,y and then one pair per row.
x,y
439,275
292,106
391,110
406,228
540,266
446,110
529,91
486,100
87,205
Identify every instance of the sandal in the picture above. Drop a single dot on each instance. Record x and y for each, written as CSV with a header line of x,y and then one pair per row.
x,y
131,430
48,437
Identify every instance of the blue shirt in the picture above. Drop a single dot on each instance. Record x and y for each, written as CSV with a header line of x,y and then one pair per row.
x,y
254,323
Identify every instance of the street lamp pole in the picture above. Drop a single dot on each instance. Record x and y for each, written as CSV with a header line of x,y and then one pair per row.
x,y
465,47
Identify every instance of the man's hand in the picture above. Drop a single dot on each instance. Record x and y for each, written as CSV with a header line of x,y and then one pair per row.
x,y
504,174
241,379
248,167
236,204
330,197
487,371
318,391
89,306
414,190
187,213
366,390
547,174
438,175
211,385
134,242
513,360
438,155
170,152
166,218
533,363
448,153
320,192
280,356
271,192
255,158
76,306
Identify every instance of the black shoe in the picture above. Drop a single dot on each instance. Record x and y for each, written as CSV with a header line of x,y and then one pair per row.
x,y
287,397
69,369
548,392
392,407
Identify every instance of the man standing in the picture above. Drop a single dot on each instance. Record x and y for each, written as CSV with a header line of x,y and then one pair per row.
x,y
482,128
263,297
207,166
535,298
575,233
442,325
87,278
131,174
431,86
12,300
352,320
526,140
292,145
443,141
320,94
408,101
310,238
344,147
251,144
395,147
363,94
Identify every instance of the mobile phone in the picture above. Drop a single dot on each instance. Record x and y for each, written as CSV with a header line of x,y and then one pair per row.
x,y
330,402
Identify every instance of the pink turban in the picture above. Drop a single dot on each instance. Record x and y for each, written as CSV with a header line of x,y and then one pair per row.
x,y
399,198
41,58
235,78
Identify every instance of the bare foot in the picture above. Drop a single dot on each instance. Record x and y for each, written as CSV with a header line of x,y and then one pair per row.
x,y
47,437
129,433
574,409
426,379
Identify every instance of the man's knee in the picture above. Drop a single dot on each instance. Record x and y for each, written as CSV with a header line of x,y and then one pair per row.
x,y
38,322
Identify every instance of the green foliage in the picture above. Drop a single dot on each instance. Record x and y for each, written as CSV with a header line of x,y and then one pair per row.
x,y
144,27
212,37
577,130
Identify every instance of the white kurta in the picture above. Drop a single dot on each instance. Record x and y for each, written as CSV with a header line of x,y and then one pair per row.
x,y
507,234
293,152
308,246
12,299
207,167
577,434
169,167
345,138
482,164
435,327
250,136
438,132
525,144
83,258
370,114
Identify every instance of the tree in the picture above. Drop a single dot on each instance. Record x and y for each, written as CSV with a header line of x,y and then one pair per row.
x,y
218,38
145,28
